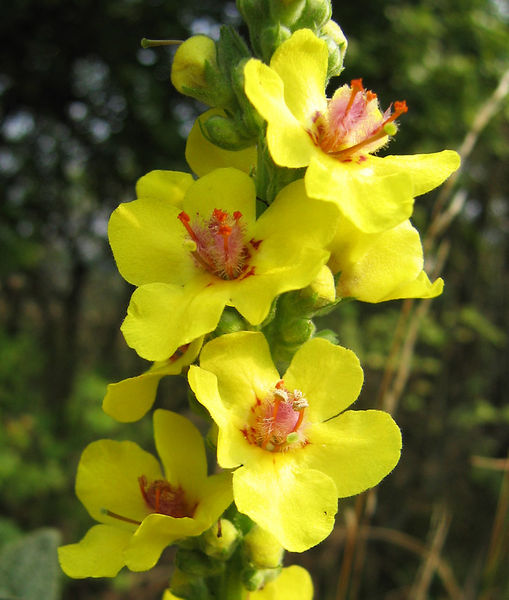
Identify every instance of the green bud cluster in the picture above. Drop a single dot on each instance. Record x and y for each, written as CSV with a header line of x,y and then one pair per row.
x,y
271,22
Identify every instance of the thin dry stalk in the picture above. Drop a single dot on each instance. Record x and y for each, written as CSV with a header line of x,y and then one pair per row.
x,y
430,563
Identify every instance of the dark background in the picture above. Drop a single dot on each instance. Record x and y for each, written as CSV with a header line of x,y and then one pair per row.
x,y
84,112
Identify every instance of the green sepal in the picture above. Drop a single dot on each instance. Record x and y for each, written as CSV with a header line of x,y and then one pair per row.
x,y
197,564
254,579
315,14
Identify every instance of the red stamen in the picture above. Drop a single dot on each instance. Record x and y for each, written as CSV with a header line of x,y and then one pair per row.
x,y
356,86
184,219
142,481
120,517
399,109
237,215
158,498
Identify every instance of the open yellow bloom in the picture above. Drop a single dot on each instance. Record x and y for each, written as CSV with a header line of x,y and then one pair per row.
x,y
129,400
335,137
141,508
196,248
295,447
375,267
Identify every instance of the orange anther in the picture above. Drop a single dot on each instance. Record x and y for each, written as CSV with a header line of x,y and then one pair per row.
x,y
400,107
370,96
237,215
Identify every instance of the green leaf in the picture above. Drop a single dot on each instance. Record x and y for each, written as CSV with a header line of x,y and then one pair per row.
x,y
29,568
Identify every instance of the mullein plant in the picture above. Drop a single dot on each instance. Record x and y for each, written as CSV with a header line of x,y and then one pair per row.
x,y
289,210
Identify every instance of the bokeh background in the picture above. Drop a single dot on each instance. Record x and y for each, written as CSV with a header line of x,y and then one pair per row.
x,y
84,112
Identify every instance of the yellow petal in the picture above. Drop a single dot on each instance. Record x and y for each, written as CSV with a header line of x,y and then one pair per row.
x,y
374,265
297,507
329,376
164,185
129,400
153,535
232,448
147,240
301,62
162,317
203,156
181,450
294,583
420,287
372,198
99,554
357,449
107,479
288,141
227,189
427,171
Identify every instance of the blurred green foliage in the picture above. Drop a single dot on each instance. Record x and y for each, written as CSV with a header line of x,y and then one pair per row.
x,y
85,111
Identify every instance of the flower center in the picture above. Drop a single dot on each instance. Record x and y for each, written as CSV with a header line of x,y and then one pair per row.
x,y
165,499
354,125
217,244
277,422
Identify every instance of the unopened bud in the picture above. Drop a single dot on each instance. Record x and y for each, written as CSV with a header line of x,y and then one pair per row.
x,y
262,549
297,331
255,579
225,133
286,11
197,564
183,585
188,71
220,540
271,38
315,14
322,289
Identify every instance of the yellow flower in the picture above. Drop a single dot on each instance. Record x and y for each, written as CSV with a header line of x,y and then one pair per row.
x,y
129,400
196,248
295,447
375,267
335,138
141,510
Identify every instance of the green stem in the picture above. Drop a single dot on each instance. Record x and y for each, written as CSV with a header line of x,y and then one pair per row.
x,y
229,585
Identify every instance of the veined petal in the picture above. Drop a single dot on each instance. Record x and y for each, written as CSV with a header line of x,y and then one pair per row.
x,y
329,376
164,185
371,198
181,450
153,535
297,506
162,317
147,240
107,479
289,143
227,189
362,447
100,553
294,583
427,171
204,156
301,62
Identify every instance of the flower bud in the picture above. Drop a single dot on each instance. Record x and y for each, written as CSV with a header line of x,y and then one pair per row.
x,y
315,14
197,564
188,69
322,289
286,11
262,549
297,331
220,540
186,586
271,37
254,579
336,45
225,133
230,322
